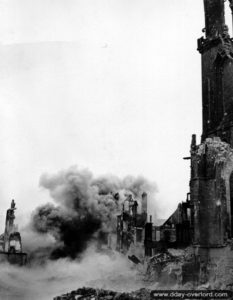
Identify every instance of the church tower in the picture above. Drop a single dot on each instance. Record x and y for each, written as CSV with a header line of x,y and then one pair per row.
x,y
217,73
211,184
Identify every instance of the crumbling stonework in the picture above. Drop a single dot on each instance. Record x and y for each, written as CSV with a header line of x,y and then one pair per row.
x,y
211,183
165,268
10,241
208,192
131,227
210,186
217,71
204,222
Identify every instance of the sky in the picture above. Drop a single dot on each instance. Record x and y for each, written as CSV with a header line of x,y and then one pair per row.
x,y
113,86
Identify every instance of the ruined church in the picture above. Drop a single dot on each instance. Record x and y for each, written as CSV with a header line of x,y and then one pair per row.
x,y
211,184
209,205
204,222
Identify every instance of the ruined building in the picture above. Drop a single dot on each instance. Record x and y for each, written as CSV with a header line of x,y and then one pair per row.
x,y
10,241
203,224
175,232
205,220
211,183
138,235
208,222
131,226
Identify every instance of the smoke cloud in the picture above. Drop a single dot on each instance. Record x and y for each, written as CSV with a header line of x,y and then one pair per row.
x,y
84,209
61,276
62,236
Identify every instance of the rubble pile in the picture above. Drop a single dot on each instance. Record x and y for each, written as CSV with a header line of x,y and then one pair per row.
x,y
165,268
100,294
218,150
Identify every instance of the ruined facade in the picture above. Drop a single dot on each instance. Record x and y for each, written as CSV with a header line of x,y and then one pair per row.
x,y
205,220
175,232
131,226
211,163
10,241
210,206
211,183
138,235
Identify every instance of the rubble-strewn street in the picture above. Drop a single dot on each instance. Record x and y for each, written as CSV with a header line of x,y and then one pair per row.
x,y
99,294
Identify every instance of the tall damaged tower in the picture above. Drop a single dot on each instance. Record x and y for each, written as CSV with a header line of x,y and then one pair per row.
x,y
10,241
211,183
211,164
12,238
217,73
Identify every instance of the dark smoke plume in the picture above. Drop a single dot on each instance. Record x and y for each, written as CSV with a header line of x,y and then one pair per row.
x,y
85,208
73,230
